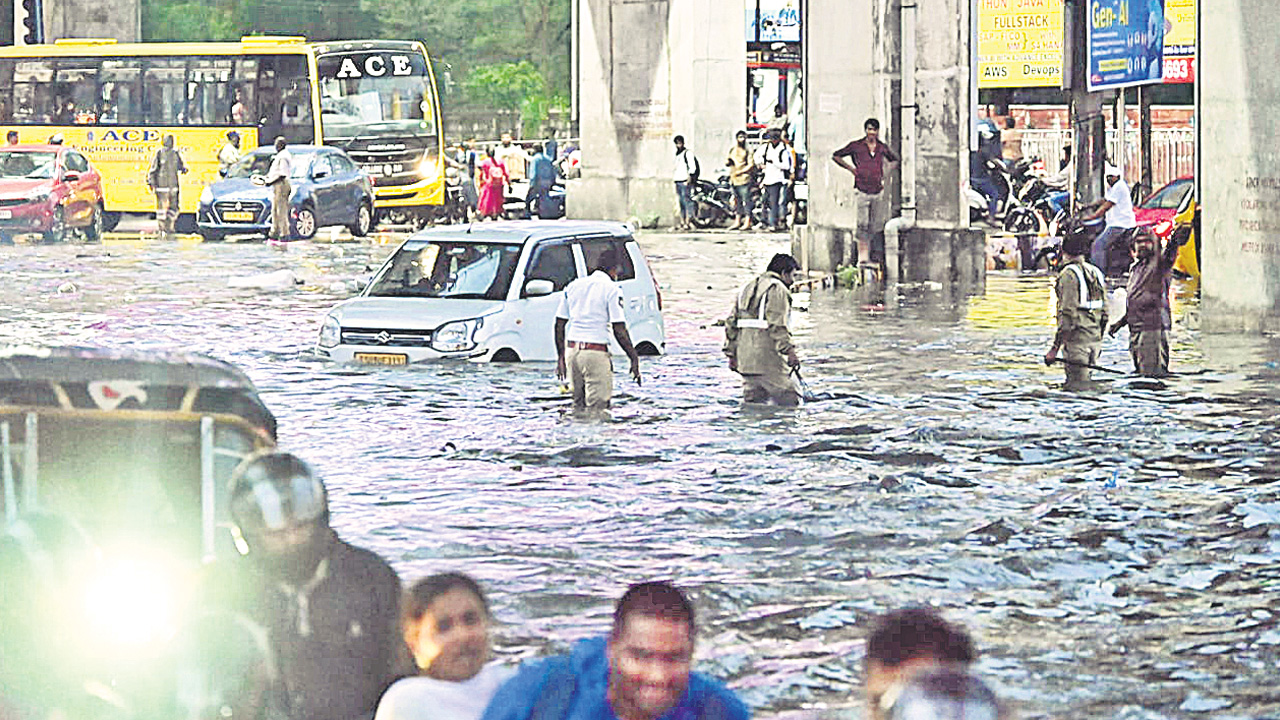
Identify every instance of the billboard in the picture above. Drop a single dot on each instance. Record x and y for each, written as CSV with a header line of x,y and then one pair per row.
x,y
770,21
1126,43
1019,43
1180,41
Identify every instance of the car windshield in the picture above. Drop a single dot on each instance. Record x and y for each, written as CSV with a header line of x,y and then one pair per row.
x,y
32,165
259,163
448,269
1169,197
375,95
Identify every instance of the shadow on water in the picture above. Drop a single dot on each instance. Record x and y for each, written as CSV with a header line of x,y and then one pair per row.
x,y
1111,550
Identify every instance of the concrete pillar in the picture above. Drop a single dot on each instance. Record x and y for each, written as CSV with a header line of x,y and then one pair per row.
x,y
119,19
1240,183
650,70
852,72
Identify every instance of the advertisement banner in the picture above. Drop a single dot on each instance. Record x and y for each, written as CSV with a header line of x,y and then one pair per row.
x,y
1126,43
1180,41
780,21
1019,43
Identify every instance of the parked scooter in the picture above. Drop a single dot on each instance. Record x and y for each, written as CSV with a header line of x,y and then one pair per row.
x,y
714,203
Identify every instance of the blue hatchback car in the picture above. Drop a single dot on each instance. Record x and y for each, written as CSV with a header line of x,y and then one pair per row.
x,y
328,189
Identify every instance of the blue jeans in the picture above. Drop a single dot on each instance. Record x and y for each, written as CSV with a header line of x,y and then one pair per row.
x,y
773,204
1098,254
684,193
742,200
987,187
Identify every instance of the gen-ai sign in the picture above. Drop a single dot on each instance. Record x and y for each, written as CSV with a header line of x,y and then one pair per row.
x,y
1126,43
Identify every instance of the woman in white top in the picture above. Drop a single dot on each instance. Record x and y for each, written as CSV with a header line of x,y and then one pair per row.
x,y
445,621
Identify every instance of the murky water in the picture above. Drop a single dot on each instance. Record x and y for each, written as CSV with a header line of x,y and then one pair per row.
x,y
1114,553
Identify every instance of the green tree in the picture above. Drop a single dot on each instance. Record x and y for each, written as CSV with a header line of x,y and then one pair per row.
x,y
517,87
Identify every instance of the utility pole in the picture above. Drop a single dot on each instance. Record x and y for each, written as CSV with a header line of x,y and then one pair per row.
x,y
1144,137
1088,125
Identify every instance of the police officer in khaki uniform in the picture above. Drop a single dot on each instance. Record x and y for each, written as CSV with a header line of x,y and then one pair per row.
x,y
1082,312
757,339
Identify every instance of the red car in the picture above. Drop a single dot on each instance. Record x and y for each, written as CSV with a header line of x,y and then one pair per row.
x,y
48,189
1163,204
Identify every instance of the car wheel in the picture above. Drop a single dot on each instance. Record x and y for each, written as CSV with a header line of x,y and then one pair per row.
x,y
305,225
364,221
211,236
93,231
57,231
110,220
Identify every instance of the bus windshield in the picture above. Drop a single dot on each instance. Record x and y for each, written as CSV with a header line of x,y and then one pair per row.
x,y
375,94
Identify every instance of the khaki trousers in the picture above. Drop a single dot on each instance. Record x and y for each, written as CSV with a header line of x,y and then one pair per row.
x,y
1150,352
167,209
280,192
775,385
1080,352
591,377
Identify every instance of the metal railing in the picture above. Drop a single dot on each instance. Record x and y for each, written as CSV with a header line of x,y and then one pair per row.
x,y
1173,151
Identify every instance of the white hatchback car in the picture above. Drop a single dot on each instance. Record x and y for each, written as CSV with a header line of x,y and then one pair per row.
x,y
487,292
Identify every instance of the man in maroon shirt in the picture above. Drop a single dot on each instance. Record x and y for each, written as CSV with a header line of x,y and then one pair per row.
x,y
870,206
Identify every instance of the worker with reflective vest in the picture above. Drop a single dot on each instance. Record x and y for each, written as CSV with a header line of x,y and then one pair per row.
x,y
757,337
1082,312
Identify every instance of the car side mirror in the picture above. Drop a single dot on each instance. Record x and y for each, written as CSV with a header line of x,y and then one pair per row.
x,y
222,172
71,176
319,174
539,288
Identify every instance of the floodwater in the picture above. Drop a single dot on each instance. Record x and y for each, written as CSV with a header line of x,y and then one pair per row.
x,y
1115,553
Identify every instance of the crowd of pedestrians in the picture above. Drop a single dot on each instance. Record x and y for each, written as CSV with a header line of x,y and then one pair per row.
x,y
339,641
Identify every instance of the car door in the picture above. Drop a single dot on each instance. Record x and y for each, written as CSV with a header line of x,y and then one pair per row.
x,y
632,293
348,177
82,193
552,260
327,191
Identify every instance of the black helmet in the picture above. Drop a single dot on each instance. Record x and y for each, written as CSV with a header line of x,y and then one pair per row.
x,y
275,490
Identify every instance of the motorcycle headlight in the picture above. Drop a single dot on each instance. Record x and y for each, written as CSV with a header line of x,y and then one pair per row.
x,y
330,332
206,197
133,602
456,336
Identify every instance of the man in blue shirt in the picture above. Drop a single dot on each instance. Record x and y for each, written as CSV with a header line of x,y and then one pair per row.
x,y
641,671
542,178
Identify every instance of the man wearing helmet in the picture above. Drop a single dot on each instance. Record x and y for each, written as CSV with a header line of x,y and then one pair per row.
x,y
1082,311
330,609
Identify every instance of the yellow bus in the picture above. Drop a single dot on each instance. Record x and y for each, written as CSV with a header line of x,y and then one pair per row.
x,y
115,102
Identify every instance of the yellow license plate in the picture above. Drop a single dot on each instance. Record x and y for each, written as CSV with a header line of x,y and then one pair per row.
x,y
240,215
382,359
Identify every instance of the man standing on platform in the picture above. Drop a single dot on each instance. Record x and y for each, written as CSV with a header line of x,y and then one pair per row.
x,y
866,158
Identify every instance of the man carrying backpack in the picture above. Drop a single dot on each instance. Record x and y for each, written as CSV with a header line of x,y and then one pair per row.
x,y
686,178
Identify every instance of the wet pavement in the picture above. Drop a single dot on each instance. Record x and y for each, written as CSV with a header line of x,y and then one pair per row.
x,y
1115,552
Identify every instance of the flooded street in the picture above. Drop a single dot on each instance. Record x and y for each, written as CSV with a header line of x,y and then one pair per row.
x,y
1115,553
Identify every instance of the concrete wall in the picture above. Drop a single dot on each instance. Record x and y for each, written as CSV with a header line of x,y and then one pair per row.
x,y
119,19
850,65
1240,183
650,70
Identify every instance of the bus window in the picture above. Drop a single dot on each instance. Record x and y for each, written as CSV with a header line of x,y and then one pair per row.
x,y
121,91
6,91
163,100
209,91
243,108
76,83
284,99
33,100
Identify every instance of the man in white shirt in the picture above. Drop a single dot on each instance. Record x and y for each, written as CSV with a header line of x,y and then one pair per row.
x,y
1117,207
776,161
230,152
589,307
278,180
685,175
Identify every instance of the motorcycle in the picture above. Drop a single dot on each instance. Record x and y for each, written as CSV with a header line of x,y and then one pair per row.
x,y
715,206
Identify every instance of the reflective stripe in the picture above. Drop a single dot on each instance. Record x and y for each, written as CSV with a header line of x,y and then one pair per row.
x,y
752,324
1085,302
